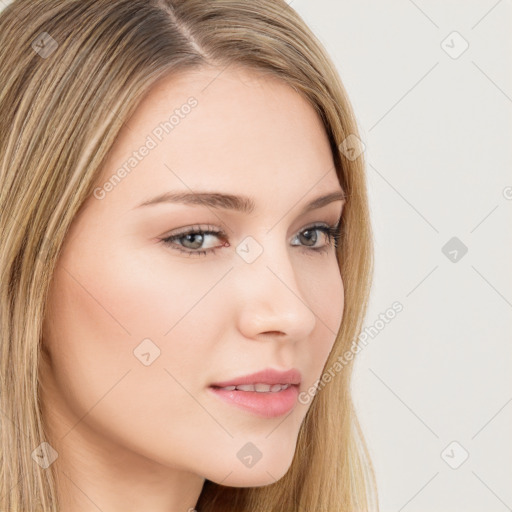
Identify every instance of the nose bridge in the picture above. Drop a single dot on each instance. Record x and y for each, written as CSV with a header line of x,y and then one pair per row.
x,y
271,298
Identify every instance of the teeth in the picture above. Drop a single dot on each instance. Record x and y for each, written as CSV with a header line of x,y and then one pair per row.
x,y
279,387
246,387
260,388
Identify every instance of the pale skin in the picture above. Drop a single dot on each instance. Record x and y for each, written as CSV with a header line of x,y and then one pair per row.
x,y
132,437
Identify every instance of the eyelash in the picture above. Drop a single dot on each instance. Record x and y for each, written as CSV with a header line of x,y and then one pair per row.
x,y
332,233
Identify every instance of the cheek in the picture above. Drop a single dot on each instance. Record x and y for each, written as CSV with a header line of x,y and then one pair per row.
x,y
335,298
100,312
326,299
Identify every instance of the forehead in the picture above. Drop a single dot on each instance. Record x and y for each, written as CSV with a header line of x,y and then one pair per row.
x,y
231,129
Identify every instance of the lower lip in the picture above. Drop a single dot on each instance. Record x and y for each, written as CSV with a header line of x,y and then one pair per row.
x,y
266,404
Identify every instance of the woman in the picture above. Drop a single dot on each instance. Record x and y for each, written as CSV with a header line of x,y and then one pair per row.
x,y
186,257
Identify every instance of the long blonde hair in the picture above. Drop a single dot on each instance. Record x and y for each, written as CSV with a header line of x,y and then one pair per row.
x,y
72,72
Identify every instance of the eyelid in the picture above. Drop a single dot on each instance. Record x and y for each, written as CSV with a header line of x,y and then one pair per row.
x,y
196,227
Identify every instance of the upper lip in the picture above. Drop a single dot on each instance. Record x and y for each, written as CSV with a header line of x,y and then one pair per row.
x,y
266,376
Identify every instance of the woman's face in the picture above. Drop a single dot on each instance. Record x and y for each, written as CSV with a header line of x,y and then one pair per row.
x,y
139,329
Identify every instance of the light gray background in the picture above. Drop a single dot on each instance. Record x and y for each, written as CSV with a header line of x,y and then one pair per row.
x,y
437,131
438,140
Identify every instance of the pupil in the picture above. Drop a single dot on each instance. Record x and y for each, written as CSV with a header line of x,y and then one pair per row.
x,y
191,237
313,233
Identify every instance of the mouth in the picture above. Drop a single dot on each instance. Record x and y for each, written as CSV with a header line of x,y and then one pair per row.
x,y
268,376
258,388
263,400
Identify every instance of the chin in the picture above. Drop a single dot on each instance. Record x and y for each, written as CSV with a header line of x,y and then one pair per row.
x,y
259,475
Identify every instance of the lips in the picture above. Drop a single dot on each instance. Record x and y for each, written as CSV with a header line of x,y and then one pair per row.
x,y
266,377
263,404
269,393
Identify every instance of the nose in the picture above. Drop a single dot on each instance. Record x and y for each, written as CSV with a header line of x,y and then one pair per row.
x,y
272,296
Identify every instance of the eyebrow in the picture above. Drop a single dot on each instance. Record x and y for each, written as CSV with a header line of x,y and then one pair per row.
x,y
243,204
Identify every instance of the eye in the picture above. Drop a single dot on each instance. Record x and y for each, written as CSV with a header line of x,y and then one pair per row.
x,y
309,236
191,240
194,238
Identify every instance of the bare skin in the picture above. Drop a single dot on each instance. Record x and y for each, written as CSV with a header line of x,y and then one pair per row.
x,y
132,436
